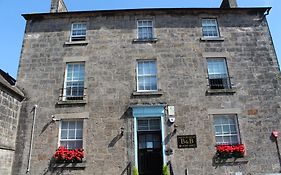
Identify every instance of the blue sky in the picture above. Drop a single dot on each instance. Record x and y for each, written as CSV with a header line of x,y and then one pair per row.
x,y
13,24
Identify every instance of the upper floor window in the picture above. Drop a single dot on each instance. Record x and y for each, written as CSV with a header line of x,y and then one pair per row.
x,y
74,81
145,29
210,28
146,75
71,134
218,74
226,129
78,32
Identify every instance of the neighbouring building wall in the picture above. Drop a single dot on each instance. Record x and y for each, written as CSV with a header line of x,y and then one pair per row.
x,y
9,111
110,57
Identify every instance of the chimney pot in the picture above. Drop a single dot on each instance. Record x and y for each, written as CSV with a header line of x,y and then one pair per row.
x,y
57,6
229,4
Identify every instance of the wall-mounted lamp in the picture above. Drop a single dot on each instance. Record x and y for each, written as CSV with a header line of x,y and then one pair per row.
x,y
274,134
122,131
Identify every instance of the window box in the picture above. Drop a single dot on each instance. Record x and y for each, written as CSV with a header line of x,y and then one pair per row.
x,y
64,155
230,151
230,155
68,158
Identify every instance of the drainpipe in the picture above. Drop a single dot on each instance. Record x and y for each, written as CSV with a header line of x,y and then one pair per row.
x,y
34,109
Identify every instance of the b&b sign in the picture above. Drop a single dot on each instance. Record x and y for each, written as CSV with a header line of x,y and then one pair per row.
x,y
187,141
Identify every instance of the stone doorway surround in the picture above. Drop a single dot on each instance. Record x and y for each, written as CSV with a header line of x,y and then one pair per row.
x,y
142,111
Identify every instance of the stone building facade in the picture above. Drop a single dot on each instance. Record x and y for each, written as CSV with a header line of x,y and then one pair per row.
x,y
10,104
142,88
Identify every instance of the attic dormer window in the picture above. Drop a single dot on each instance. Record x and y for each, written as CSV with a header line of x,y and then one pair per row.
x,y
78,32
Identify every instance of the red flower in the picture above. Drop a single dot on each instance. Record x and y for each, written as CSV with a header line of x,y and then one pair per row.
x,y
64,155
230,150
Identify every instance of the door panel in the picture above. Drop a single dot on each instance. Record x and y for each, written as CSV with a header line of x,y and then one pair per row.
x,y
150,159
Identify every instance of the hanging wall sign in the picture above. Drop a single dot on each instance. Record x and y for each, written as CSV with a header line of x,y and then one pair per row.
x,y
187,141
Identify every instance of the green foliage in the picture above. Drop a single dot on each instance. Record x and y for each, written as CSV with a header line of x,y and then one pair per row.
x,y
135,171
166,170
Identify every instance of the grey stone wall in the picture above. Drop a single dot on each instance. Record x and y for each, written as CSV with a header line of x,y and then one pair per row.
x,y
182,78
9,111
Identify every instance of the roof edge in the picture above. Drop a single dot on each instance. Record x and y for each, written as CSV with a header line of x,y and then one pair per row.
x,y
34,15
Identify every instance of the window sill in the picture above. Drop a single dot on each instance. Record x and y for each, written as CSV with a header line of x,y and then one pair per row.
x,y
70,165
230,161
220,91
81,43
151,40
149,93
71,102
211,39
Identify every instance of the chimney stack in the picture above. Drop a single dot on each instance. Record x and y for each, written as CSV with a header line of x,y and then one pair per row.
x,y
229,4
58,6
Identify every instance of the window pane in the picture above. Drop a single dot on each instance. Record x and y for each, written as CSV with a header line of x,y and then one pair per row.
x,y
153,83
71,134
142,125
219,139
64,125
72,125
79,134
71,145
63,143
218,129
226,139
154,124
140,68
234,139
79,124
63,134
79,144
226,129
216,67
233,129
141,83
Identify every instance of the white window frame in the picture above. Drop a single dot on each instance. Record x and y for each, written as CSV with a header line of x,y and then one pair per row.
x,y
234,116
149,128
65,96
80,37
82,129
152,29
148,75
224,75
216,25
